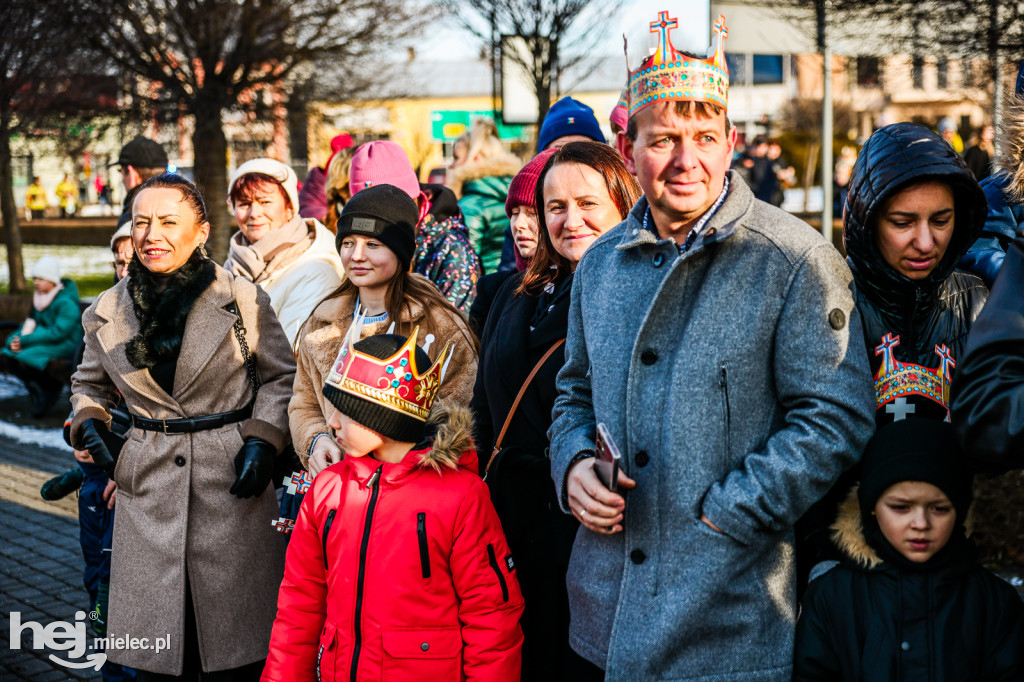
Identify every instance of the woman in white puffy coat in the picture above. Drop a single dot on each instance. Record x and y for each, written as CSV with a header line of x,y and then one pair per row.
x,y
292,258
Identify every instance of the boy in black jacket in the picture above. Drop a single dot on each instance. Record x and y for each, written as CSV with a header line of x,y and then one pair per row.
x,y
910,601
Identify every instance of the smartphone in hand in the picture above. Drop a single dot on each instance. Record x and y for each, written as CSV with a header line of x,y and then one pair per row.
x,y
607,458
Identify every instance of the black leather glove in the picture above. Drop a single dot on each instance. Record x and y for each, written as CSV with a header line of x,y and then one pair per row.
x,y
254,465
96,438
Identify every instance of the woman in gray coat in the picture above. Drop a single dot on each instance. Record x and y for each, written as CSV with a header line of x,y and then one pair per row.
x,y
205,370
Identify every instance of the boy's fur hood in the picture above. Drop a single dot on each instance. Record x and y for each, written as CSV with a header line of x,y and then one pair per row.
x,y
848,533
499,166
453,437
1009,162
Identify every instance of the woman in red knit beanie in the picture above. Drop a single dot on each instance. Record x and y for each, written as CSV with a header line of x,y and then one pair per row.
x,y
521,209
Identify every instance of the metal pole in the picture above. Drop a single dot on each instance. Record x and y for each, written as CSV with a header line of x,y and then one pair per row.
x,y
494,64
826,127
826,150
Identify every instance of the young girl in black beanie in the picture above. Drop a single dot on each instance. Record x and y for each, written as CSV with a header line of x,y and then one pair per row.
x,y
910,600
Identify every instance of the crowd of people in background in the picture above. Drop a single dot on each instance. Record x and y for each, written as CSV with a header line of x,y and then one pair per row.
x,y
603,413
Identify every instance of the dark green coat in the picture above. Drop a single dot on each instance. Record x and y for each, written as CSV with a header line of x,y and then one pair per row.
x,y
483,205
482,188
58,330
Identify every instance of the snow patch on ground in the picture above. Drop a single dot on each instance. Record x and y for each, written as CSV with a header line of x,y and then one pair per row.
x,y
11,387
47,438
75,261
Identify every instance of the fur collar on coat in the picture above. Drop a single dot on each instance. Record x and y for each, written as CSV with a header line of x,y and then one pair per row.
x,y
162,312
1010,160
848,534
499,166
450,426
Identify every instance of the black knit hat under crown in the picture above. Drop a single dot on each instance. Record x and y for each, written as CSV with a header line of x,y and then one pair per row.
x,y
915,450
374,416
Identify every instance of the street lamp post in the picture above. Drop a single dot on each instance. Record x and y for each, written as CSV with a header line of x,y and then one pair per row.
x,y
826,124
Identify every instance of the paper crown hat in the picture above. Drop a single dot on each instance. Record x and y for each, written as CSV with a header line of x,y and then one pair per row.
x,y
394,382
668,75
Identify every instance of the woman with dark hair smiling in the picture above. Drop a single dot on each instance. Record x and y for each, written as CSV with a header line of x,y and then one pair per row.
x,y
376,240
205,371
583,191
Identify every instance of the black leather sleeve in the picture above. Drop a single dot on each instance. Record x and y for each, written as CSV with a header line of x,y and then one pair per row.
x,y
988,387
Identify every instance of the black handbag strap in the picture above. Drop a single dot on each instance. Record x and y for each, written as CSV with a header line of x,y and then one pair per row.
x,y
250,366
515,403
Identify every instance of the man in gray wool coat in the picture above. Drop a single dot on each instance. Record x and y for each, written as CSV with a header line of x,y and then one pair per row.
x,y
717,339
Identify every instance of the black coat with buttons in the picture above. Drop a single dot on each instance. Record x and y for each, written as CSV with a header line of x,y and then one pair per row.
x,y
539,534
914,318
869,621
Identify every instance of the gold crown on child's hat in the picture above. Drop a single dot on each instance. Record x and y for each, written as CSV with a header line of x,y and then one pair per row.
x,y
393,382
669,75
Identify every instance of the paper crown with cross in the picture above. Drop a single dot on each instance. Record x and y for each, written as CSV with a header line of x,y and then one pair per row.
x,y
896,382
393,382
668,75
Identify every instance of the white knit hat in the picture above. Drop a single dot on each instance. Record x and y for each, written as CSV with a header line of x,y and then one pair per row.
x,y
48,268
124,231
275,169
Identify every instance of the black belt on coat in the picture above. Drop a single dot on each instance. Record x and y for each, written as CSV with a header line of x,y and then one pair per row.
x,y
190,424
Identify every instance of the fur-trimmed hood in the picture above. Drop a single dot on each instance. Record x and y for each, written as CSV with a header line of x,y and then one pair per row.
x,y
452,426
848,534
506,165
1009,162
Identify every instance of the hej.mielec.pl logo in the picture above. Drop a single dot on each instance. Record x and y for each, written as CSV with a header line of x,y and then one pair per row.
x,y
72,638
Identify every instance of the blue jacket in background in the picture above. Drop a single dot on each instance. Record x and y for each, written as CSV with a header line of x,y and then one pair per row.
x,y
985,257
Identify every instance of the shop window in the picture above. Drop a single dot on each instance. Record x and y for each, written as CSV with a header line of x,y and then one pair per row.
x,y
737,64
869,72
768,69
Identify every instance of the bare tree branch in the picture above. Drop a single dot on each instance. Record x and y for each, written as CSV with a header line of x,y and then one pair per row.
x,y
558,33
52,82
210,55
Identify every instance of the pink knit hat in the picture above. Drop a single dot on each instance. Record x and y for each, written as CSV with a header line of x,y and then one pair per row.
x,y
524,184
620,114
382,162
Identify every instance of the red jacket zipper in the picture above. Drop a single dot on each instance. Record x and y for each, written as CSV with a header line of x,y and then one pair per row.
x,y
374,485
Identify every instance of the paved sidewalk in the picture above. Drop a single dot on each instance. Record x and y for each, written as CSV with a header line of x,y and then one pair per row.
x,y
40,556
41,578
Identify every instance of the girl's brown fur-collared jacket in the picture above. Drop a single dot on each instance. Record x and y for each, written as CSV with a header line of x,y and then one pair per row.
x,y
320,340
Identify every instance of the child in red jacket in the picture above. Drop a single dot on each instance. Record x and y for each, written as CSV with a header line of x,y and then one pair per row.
x,y
397,568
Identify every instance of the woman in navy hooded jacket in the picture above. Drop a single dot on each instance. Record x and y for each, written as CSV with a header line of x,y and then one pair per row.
x,y
913,211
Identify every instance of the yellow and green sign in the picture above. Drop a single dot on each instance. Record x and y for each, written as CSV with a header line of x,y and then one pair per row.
x,y
446,126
